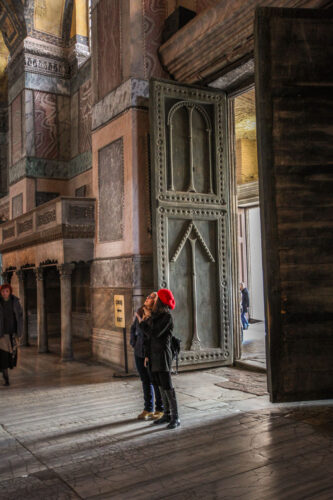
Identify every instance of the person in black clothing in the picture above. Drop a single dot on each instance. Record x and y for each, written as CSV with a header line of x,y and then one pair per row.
x,y
158,330
149,389
244,305
11,325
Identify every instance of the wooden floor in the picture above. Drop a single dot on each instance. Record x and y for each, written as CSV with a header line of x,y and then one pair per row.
x,y
69,430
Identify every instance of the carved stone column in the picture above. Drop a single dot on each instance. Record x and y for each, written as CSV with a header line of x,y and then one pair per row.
x,y
65,271
21,280
42,338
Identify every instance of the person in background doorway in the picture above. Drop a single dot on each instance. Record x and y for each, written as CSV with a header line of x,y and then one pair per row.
x,y
11,326
158,330
137,342
245,303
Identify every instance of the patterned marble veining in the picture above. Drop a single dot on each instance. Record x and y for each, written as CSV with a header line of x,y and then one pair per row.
x,y
81,77
133,92
64,127
16,132
70,431
85,101
29,123
109,46
75,124
45,116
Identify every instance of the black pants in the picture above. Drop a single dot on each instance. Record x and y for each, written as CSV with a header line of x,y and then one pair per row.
x,y
162,379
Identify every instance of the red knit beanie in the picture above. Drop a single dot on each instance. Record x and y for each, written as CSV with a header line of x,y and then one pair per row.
x,y
167,297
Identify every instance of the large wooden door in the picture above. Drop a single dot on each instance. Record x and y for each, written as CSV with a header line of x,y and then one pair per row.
x,y
294,90
190,206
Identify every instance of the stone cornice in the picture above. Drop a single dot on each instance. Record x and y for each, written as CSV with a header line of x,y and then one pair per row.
x,y
132,93
49,169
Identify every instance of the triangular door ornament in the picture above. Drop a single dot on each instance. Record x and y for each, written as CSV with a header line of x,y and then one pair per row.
x,y
193,234
192,227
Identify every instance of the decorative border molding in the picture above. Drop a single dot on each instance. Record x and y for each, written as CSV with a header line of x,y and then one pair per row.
x,y
248,194
134,92
50,169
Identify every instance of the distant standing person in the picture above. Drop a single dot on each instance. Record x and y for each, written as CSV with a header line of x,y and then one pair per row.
x,y
11,326
244,306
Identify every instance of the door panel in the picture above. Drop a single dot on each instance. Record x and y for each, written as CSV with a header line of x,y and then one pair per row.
x,y
191,216
294,80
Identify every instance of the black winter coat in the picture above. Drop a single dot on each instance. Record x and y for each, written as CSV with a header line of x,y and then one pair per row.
x,y
137,339
18,315
157,344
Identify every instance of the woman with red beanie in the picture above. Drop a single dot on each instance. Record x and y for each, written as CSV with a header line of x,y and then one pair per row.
x,y
158,332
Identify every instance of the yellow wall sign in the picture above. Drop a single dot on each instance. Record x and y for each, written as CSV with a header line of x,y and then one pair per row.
x,y
119,310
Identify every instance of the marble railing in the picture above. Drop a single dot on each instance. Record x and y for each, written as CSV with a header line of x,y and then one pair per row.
x,y
63,217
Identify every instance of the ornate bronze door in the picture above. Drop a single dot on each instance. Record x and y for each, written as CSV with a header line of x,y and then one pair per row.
x,y
191,216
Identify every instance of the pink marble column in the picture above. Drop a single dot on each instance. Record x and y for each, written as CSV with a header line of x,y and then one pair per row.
x,y
42,338
21,281
65,271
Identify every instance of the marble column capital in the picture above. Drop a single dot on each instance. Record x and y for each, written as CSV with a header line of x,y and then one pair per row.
x,y
65,270
39,273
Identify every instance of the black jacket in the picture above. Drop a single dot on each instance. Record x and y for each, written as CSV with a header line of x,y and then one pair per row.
x,y
137,338
157,344
18,313
245,300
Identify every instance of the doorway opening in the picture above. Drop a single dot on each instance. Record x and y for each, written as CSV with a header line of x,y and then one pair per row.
x,y
250,271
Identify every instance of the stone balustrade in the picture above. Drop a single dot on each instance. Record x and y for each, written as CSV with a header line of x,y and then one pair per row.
x,y
63,217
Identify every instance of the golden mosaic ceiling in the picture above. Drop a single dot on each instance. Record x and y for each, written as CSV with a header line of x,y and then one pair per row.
x,y
245,116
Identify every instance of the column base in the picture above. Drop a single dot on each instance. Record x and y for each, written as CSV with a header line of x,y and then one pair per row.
x,y
67,359
43,351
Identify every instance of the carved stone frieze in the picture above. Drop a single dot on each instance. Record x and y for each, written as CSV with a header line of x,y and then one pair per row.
x,y
81,212
35,61
46,217
4,211
25,226
8,233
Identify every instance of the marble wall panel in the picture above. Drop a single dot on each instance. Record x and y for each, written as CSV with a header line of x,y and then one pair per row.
x,y
111,191
45,114
109,46
64,127
154,13
9,138
85,101
17,205
29,123
16,129
75,124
